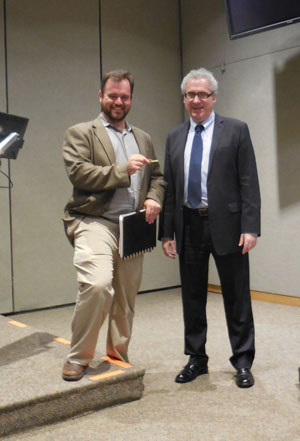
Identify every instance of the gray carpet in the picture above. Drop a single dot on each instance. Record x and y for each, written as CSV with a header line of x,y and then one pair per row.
x,y
211,408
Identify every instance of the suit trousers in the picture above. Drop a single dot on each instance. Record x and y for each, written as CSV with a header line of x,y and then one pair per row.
x,y
107,286
233,270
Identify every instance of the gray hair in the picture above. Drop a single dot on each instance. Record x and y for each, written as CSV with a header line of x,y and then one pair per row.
x,y
198,74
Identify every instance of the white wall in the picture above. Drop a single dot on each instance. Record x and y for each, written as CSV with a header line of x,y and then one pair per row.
x,y
260,85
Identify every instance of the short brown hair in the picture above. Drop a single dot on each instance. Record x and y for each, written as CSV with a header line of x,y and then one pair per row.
x,y
118,75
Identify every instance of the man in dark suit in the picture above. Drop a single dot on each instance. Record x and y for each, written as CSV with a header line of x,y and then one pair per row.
x,y
212,206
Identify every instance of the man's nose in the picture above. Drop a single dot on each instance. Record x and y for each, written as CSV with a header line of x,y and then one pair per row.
x,y
119,100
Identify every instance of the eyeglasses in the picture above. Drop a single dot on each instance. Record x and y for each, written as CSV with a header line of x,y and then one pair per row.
x,y
201,95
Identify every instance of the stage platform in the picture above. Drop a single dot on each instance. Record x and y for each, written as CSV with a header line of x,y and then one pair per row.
x,y
33,392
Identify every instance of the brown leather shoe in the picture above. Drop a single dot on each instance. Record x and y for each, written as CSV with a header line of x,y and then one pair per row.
x,y
72,371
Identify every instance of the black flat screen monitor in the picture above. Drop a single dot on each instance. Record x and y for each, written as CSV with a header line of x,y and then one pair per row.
x,y
246,17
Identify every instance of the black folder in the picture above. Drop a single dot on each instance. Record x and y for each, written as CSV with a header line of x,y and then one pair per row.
x,y
136,235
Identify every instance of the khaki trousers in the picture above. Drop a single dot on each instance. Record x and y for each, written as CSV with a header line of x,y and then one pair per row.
x,y
107,286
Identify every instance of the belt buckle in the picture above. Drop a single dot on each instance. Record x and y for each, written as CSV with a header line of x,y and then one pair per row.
x,y
202,211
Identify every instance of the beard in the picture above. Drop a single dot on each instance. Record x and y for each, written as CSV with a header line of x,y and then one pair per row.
x,y
110,114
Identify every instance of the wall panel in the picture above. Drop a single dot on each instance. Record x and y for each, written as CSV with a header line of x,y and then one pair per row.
x,y
203,34
2,59
260,85
5,261
53,71
53,79
5,255
145,40
205,37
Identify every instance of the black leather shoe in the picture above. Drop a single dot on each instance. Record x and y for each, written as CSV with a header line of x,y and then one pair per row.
x,y
244,378
190,372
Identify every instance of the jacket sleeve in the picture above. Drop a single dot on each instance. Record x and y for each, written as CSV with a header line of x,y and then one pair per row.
x,y
78,155
166,225
157,184
249,185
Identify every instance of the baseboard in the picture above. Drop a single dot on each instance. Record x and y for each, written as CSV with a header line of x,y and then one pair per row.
x,y
264,296
255,295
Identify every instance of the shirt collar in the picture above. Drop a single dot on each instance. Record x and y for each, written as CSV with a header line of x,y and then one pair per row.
x,y
108,124
210,120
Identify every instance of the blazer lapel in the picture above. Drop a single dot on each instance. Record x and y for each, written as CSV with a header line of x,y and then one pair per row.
x,y
178,152
219,124
103,138
142,147
140,141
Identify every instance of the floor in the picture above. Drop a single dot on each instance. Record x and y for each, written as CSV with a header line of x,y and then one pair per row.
x,y
211,408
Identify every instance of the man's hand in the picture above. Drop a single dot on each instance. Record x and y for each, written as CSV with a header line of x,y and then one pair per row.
x,y
247,241
135,163
169,248
152,210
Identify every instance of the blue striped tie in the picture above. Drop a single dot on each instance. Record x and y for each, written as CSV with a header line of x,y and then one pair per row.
x,y
194,179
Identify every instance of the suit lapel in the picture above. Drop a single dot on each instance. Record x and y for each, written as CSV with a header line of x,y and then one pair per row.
x,y
140,139
219,124
103,138
178,151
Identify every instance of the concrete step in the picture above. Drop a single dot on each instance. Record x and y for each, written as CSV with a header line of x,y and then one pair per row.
x,y
33,392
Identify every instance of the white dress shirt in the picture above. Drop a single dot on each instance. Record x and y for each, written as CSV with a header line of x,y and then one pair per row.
x,y
207,135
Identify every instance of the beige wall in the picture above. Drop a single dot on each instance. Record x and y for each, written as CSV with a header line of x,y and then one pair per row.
x,y
5,267
260,85
53,50
5,254
54,70
148,45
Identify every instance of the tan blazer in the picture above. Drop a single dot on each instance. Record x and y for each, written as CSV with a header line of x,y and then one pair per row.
x,y
90,163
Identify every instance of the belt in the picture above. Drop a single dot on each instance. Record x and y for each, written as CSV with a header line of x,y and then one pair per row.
x,y
201,211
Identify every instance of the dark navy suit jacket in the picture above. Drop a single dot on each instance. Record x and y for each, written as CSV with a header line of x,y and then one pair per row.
x,y
232,185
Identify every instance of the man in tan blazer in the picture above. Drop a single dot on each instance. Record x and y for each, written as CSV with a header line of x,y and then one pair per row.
x,y
108,164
